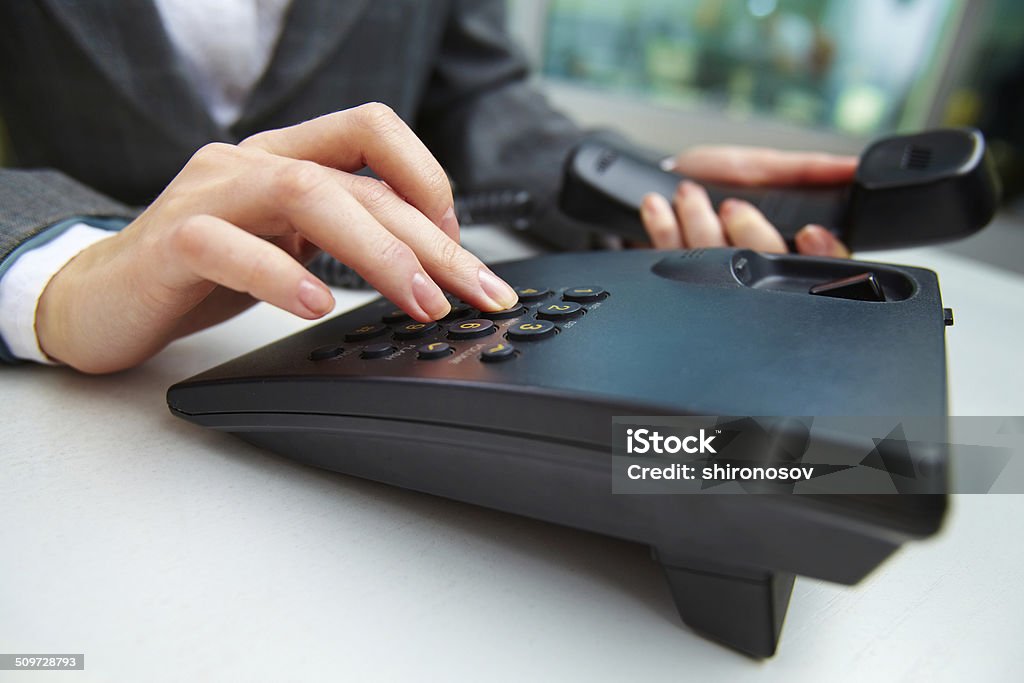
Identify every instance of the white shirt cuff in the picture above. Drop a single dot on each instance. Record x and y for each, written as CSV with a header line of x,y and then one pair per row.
x,y
22,286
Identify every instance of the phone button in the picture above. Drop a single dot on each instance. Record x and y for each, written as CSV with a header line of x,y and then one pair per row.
x,y
497,353
532,293
584,294
504,314
377,350
531,330
434,350
366,332
414,330
471,329
395,316
326,352
562,311
458,310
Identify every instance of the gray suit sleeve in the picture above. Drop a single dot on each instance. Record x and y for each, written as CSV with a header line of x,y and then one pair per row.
x,y
489,128
32,201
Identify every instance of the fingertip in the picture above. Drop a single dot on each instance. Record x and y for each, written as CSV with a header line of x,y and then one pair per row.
x,y
746,226
429,299
497,290
315,297
660,222
668,164
729,207
815,240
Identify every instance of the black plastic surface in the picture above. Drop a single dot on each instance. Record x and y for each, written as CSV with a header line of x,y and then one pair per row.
x,y
677,333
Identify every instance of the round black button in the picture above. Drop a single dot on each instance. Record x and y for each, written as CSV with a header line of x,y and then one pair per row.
x,y
395,316
504,314
532,293
471,329
414,330
531,330
366,332
434,350
584,294
458,310
377,350
562,311
326,352
497,353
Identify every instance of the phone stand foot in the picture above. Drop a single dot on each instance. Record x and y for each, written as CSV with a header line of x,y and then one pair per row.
x,y
743,610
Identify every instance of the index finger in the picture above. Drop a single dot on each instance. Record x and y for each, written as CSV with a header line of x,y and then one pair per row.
x,y
764,166
371,135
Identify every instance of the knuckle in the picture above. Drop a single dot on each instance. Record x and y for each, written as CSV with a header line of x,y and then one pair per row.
x,y
256,140
189,239
436,181
450,256
298,182
211,154
393,253
379,120
377,115
372,193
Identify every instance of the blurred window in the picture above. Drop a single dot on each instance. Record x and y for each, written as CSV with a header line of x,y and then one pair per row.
x,y
858,68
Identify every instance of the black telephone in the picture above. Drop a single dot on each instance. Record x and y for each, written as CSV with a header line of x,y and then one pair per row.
x,y
513,410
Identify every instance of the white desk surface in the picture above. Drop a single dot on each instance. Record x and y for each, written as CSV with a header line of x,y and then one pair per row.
x,y
165,552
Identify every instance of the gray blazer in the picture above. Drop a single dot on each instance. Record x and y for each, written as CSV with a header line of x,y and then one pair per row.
x,y
94,91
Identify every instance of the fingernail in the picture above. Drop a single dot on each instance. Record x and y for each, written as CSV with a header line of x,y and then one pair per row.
x,y
316,297
429,297
449,223
497,290
667,164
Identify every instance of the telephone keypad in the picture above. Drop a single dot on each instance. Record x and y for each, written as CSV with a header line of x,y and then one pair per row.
x,y
531,320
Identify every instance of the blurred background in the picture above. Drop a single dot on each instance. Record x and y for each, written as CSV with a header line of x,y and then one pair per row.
x,y
814,73
797,74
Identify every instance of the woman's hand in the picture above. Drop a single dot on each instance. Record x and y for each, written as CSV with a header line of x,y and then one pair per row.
x,y
688,219
236,225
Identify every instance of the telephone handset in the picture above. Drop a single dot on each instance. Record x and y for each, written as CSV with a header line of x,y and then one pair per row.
x,y
915,189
